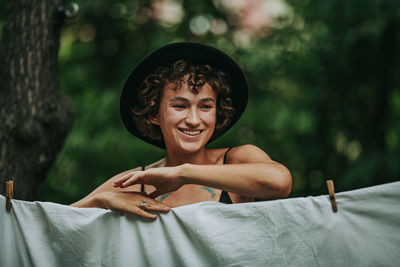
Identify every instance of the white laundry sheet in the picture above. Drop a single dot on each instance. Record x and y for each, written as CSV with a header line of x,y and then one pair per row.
x,y
291,232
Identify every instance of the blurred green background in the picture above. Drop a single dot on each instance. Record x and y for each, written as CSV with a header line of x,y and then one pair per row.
x,y
323,75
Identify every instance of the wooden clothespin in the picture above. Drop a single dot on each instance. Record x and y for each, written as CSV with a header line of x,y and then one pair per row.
x,y
331,190
9,194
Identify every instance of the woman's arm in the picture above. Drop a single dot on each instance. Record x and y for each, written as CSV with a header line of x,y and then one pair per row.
x,y
122,199
249,172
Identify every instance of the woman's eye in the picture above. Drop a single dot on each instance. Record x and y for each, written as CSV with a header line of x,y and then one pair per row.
x,y
206,106
179,106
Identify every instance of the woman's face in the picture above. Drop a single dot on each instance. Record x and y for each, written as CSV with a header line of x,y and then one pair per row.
x,y
187,120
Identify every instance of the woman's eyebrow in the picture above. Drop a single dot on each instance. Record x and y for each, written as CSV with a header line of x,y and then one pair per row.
x,y
208,99
179,98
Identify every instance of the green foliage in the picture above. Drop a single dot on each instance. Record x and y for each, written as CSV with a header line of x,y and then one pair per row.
x,y
324,100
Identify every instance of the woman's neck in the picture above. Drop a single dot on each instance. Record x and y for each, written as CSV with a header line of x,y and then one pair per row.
x,y
174,159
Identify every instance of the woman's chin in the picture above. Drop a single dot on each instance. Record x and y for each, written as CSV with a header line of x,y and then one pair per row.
x,y
190,147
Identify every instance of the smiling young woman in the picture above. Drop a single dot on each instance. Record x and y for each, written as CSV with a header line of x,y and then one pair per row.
x,y
181,97
187,120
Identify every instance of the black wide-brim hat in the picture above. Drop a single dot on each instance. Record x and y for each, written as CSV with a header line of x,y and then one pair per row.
x,y
194,53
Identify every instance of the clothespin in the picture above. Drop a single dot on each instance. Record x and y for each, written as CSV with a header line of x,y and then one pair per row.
x,y
9,194
331,190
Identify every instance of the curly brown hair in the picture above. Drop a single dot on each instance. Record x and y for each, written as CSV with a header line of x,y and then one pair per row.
x,y
150,93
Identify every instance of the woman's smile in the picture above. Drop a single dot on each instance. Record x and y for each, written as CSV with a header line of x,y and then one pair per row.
x,y
191,132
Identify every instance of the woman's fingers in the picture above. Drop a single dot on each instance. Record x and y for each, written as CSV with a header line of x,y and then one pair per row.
x,y
144,207
119,181
141,212
123,178
158,208
133,202
152,204
126,179
130,181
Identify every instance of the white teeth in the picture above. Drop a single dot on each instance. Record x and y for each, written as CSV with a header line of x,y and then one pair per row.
x,y
191,132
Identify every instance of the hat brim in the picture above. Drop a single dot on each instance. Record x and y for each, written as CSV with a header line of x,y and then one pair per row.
x,y
194,53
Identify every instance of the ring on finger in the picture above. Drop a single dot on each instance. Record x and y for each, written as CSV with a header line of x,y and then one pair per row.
x,y
143,205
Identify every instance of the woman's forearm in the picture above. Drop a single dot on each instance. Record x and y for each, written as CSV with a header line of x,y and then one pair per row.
x,y
259,180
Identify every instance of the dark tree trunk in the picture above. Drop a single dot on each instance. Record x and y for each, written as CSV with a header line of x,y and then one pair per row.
x,y
34,117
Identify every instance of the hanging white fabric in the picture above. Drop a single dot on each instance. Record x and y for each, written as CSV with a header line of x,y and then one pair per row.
x,y
291,232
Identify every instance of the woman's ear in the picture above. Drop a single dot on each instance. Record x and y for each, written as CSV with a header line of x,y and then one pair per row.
x,y
154,120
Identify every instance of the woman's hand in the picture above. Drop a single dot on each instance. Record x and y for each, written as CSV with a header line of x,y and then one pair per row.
x,y
131,202
165,179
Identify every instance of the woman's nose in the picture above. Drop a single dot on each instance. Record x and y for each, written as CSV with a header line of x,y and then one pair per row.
x,y
192,118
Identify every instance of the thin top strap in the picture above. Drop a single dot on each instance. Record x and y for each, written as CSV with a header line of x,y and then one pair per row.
x,y
226,154
142,186
225,198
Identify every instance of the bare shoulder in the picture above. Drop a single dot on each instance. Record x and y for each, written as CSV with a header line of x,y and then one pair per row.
x,y
157,164
247,154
